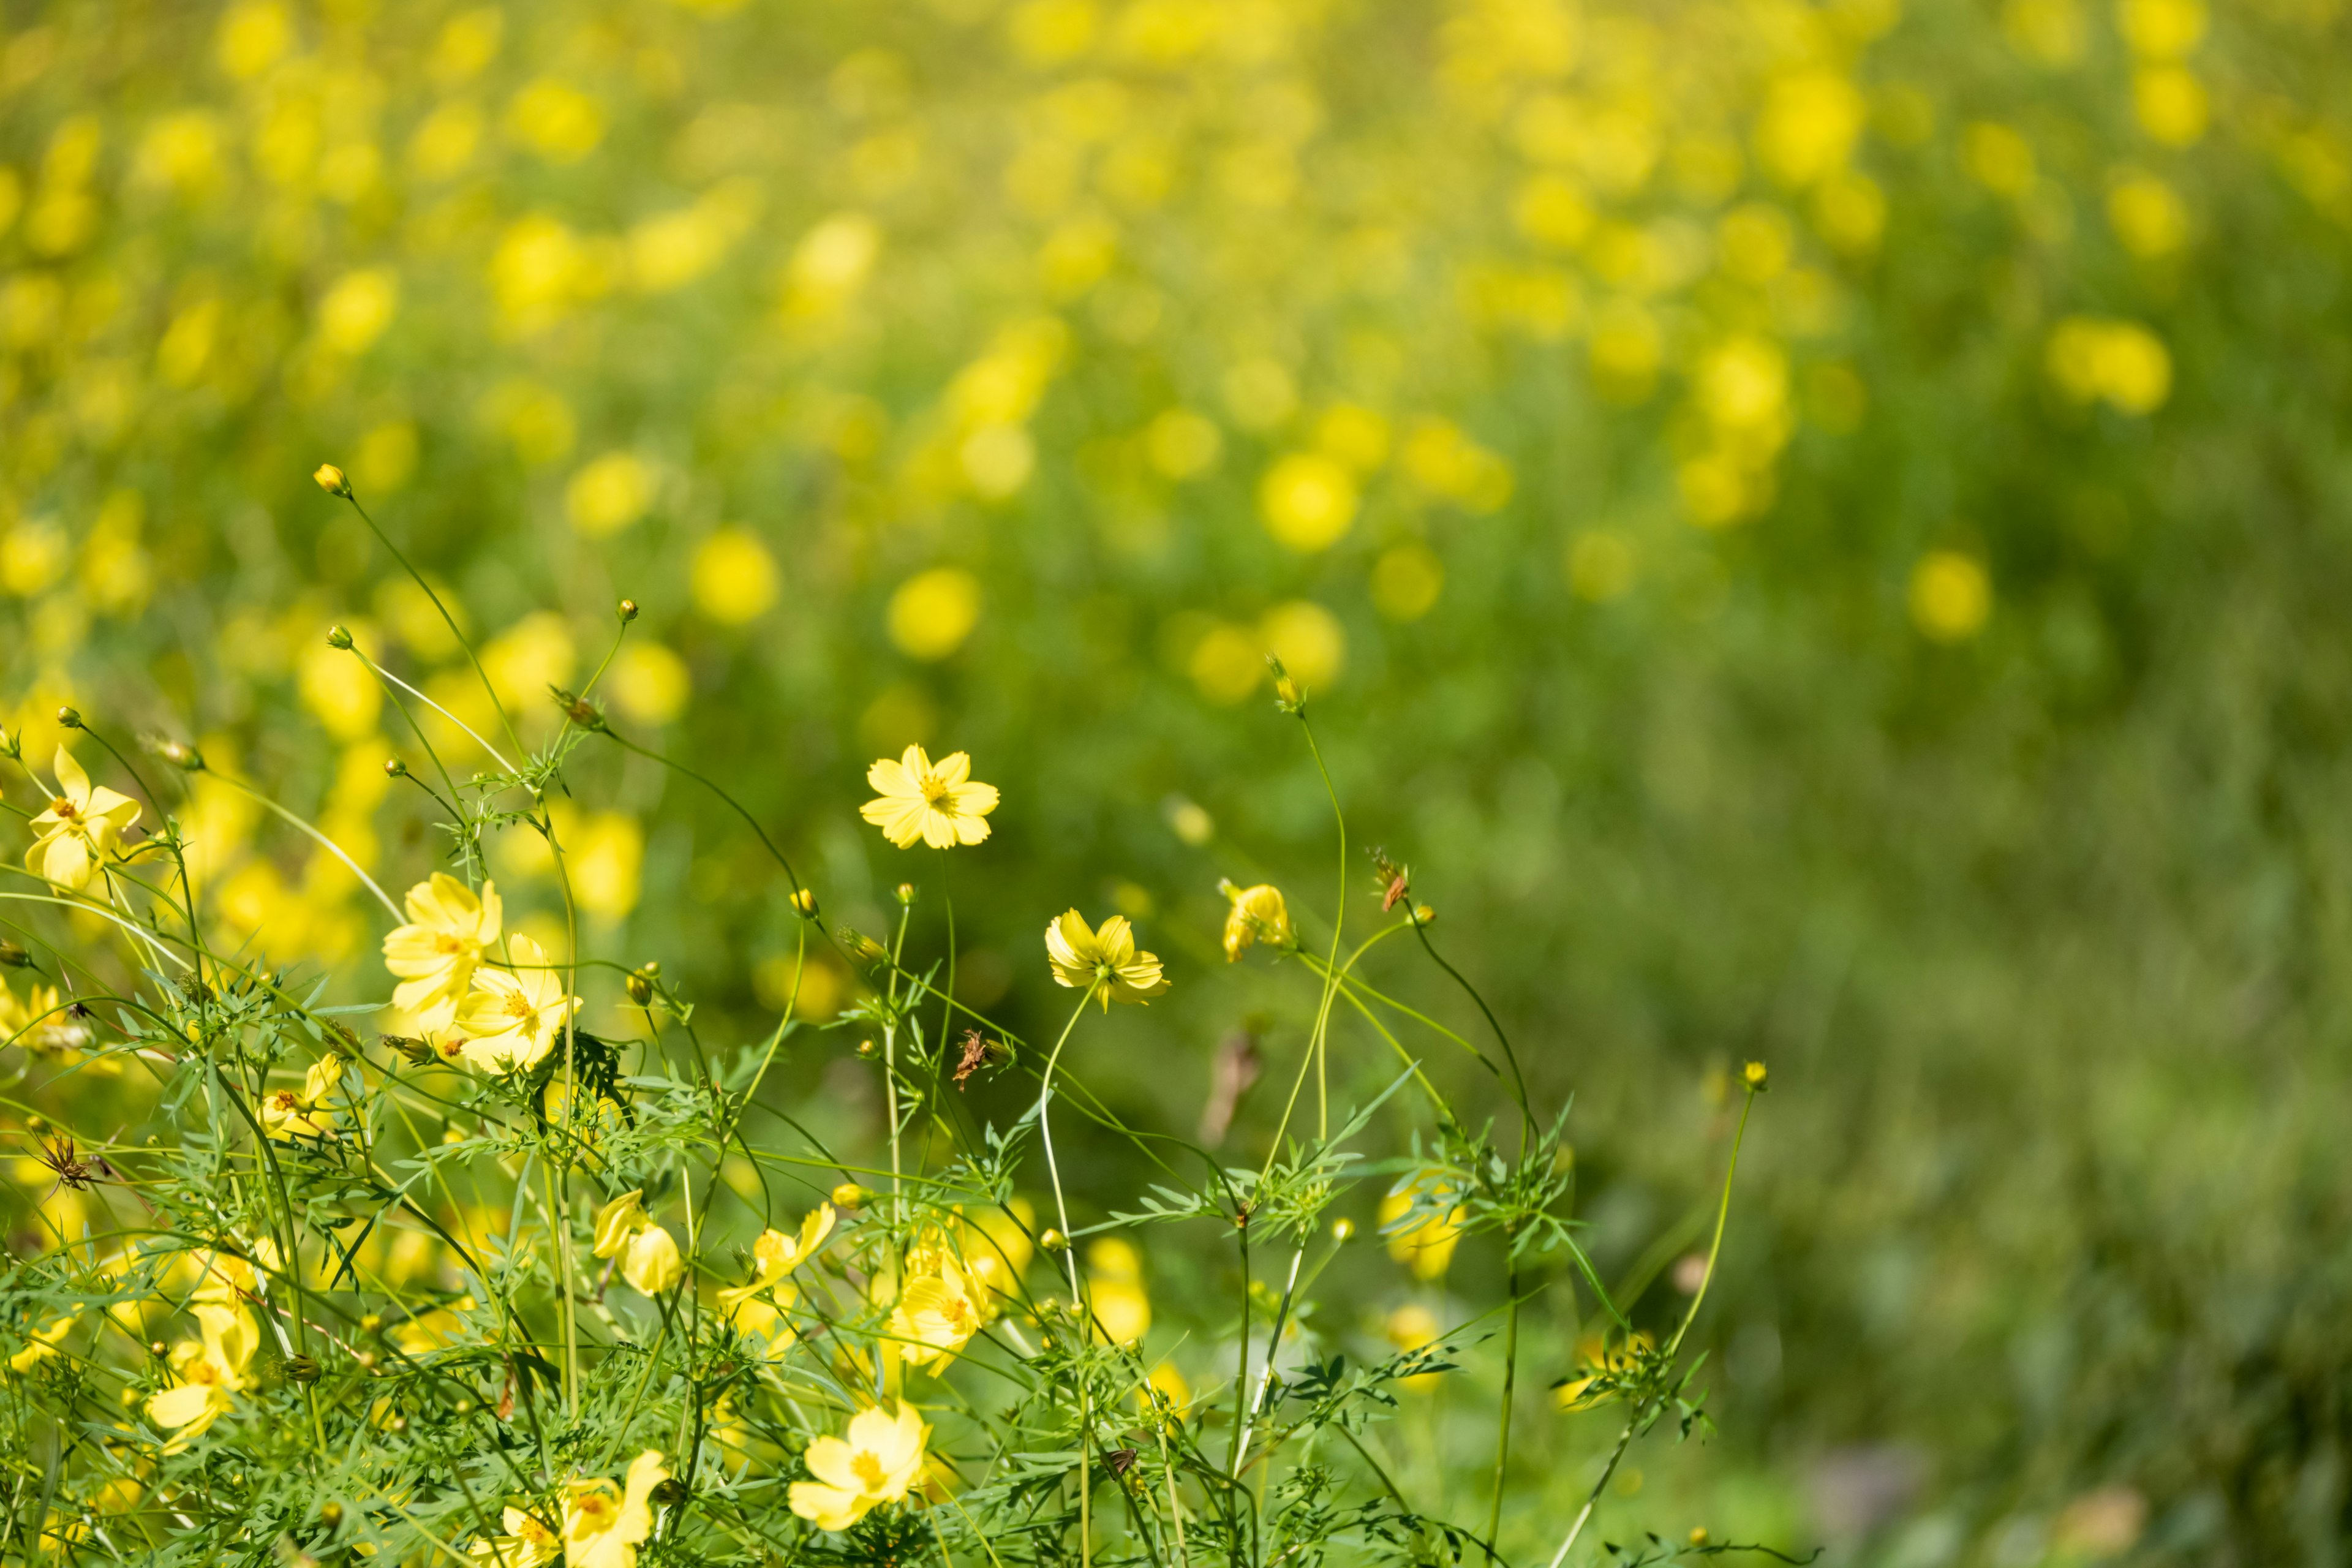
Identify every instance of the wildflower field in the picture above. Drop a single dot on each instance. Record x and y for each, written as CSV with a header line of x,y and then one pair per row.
x,y
1175,782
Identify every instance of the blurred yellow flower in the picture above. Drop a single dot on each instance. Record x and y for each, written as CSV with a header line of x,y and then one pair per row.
x,y
652,1265
524,660
1256,914
735,580
1107,960
254,36
934,612
80,825
1426,1248
938,804
648,682
2146,216
1808,126
1600,565
556,121
1307,639
2162,30
2171,105
512,1017
877,1461
435,956
2121,364
604,1524
444,141
40,1345
1308,501
830,264
609,493
339,691
619,1219
1414,1327
207,1372
357,309
1406,581
1181,444
469,41
2047,32
1114,1290
1950,596
604,857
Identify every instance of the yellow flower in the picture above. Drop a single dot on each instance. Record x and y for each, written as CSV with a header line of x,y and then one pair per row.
x,y
649,1254
42,1345
1259,915
435,955
937,1313
525,1545
997,1247
619,1220
80,825
511,1018
1114,1290
878,1460
775,1255
1107,960
653,1264
207,1371
287,1115
1594,1357
603,1523
937,802
1426,1248
41,1022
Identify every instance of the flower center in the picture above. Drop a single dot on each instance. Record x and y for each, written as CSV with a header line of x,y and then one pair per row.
x,y
452,946
867,1466
64,810
936,789
518,1006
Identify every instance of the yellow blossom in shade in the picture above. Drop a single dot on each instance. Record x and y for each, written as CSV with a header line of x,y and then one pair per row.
x,y
938,803
42,1345
603,1523
1427,1249
206,1371
512,1019
435,956
997,1247
775,1255
285,1114
1107,960
81,824
652,1264
619,1220
1950,596
877,1460
527,1543
1114,1290
1259,914
937,1314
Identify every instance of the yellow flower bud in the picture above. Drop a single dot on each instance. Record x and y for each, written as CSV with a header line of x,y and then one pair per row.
x,y
332,480
1753,1076
851,1194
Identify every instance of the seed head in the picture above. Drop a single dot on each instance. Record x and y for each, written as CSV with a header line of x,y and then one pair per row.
x,y
332,480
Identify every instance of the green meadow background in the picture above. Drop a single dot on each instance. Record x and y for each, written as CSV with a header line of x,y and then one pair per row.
x,y
1817,530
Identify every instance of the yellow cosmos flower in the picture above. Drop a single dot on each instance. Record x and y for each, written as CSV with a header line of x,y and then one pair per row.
x,y
619,1220
937,1314
877,1461
42,1345
652,1264
649,1254
207,1372
82,824
996,1245
937,803
775,1255
1107,960
603,1523
512,1019
1122,1308
287,1115
436,954
1259,914
525,1545
1426,1248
